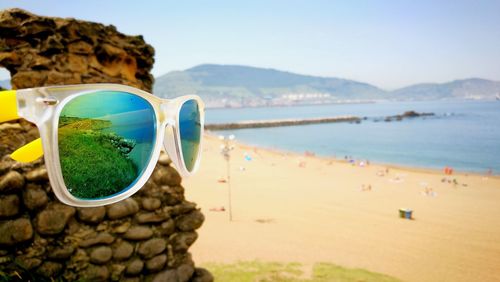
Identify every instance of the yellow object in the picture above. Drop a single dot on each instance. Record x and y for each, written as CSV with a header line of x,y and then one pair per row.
x,y
28,152
8,105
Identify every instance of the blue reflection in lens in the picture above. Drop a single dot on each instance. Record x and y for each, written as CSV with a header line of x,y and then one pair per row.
x,y
190,130
106,140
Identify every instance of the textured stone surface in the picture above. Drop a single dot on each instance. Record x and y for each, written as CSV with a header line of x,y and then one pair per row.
x,y
63,252
49,269
139,239
95,273
101,238
122,209
190,221
138,233
156,263
15,231
151,247
167,176
34,197
41,50
92,215
101,255
123,251
53,219
202,275
166,276
9,205
11,182
182,240
135,267
151,204
185,272
39,174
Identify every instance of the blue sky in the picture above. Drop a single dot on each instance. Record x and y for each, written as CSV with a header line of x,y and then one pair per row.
x,y
386,43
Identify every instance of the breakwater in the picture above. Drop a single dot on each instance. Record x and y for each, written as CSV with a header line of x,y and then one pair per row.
x,y
276,123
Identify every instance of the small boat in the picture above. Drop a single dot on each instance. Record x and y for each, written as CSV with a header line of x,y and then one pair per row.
x,y
498,97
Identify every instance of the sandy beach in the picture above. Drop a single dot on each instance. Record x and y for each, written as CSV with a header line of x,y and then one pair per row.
x,y
293,208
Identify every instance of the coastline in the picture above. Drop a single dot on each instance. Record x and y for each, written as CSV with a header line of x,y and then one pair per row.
x,y
211,134
322,211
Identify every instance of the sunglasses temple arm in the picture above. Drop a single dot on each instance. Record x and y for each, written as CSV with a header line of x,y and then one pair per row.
x,y
9,111
8,105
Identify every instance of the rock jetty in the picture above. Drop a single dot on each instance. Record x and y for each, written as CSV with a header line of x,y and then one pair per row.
x,y
277,123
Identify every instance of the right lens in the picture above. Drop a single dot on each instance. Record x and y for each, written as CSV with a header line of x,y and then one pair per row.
x,y
190,131
106,140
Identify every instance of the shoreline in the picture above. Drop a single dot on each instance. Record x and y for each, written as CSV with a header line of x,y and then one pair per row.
x,y
211,134
287,207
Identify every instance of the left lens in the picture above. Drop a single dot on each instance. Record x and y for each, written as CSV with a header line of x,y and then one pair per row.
x,y
106,140
190,131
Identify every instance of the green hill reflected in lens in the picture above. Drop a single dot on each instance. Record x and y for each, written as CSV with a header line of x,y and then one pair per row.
x,y
105,142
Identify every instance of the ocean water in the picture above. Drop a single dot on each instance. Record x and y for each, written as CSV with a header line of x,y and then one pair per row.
x,y
463,134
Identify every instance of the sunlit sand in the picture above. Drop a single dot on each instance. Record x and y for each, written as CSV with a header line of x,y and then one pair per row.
x,y
292,208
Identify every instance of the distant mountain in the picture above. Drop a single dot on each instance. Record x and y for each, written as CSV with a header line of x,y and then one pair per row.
x,y
235,86
473,88
230,85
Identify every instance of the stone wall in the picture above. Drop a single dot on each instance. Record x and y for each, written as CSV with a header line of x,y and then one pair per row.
x,y
145,237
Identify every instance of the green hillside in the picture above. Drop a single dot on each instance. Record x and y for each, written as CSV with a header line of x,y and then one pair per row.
x,y
473,88
236,86
242,85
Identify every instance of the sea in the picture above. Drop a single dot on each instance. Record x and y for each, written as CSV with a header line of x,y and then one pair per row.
x,y
464,135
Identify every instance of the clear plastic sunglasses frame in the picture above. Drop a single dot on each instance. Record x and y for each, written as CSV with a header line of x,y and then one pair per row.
x,y
42,106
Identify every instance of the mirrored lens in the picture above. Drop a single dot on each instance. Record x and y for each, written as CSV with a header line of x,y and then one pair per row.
x,y
190,130
106,140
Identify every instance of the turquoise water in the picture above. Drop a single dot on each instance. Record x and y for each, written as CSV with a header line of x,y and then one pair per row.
x,y
463,134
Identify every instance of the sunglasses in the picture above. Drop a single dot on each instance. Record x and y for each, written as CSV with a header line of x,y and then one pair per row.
x,y
101,142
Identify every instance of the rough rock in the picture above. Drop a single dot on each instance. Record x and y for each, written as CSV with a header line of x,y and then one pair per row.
x,y
167,227
53,219
130,279
185,272
151,247
166,276
167,176
39,174
9,205
135,267
11,182
92,215
53,50
34,197
101,238
151,204
190,221
151,217
101,255
202,275
164,159
15,231
95,273
182,240
63,252
123,251
122,209
117,271
156,263
138,233
49,269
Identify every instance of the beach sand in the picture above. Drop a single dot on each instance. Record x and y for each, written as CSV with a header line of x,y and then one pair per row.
x,y
319,213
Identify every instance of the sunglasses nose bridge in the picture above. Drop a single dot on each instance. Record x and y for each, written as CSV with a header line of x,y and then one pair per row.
x,y
168,113
168,125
